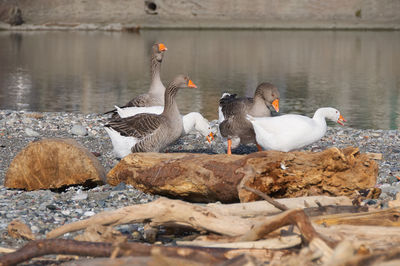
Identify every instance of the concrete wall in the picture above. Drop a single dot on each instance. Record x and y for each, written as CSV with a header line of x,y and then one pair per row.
x,y
376,14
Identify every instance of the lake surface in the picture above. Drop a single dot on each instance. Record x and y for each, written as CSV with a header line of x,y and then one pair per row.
x,y
357,72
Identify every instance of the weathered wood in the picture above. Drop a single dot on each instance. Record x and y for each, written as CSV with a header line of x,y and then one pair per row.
x,y
263,208
208,178
213,218
372,237
6,250
53,163
18,229
267,198
389,257
280,242
291,217
386,217
164,211
71,247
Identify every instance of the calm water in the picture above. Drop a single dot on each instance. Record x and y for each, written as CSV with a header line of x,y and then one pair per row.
x,y
358,72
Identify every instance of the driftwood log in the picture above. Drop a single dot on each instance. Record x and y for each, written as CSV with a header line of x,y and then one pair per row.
x,y
209,178
235,236
52,164
229,220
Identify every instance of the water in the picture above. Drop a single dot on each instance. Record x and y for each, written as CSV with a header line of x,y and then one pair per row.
x,y
357,72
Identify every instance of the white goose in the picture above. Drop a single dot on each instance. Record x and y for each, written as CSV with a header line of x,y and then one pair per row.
x,y
290,132
193,121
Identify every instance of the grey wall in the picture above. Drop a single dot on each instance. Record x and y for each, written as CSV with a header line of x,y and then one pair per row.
x,y
212,13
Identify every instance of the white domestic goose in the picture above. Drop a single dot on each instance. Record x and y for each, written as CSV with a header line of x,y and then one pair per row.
x,y
147,132
234,126
290,132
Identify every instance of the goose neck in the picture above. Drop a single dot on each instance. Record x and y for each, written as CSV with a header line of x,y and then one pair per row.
x,y
319,117
170,106
155,74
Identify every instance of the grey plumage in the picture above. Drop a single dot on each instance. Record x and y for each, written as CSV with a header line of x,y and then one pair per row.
x,y
155,132
155,95
235,110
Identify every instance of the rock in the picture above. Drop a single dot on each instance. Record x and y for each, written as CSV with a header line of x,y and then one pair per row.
x,y
79,130
11,14
209,178
80,196
53,163
31,133
66,212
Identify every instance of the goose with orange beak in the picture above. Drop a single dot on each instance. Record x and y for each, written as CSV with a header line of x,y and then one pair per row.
x,y
146,132
290,132
232,114
155,95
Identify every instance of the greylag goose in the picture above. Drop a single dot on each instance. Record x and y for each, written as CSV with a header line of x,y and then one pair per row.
x,y
147,132
234,126
155,95
290,132
192,121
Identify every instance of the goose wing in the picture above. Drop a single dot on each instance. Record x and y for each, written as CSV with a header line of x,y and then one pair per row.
x,y
138,126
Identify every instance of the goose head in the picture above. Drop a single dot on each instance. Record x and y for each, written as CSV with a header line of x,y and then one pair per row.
x,y
270,94
182,81
333,114
158,51
203,126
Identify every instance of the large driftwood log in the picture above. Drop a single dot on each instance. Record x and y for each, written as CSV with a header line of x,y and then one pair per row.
x,y
62,246
209,178
177,213
54,163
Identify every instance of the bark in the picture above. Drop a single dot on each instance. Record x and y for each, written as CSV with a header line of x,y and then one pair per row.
x,y
209,178
71,247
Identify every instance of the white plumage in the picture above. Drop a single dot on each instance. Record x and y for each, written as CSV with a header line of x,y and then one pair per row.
x,y
290,132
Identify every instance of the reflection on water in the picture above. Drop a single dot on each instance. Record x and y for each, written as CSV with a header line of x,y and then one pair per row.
x,y
357,72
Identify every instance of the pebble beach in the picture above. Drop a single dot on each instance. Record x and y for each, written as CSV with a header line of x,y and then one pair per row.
x,y
45,210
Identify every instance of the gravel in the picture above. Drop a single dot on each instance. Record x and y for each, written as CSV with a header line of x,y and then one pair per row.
x,y
45,210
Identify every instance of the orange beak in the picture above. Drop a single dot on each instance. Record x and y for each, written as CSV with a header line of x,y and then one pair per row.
x,y
275,104
210,137
162,47
341,120
191,84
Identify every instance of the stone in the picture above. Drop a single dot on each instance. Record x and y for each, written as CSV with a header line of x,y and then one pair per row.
x,y
79,130
31,133
54,163
80,196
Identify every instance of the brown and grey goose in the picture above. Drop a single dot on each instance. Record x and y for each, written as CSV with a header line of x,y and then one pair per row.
x,y
233,114
155,95
146,132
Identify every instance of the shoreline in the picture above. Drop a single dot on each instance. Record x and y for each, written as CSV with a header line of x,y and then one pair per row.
x,y
136,28
52,209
